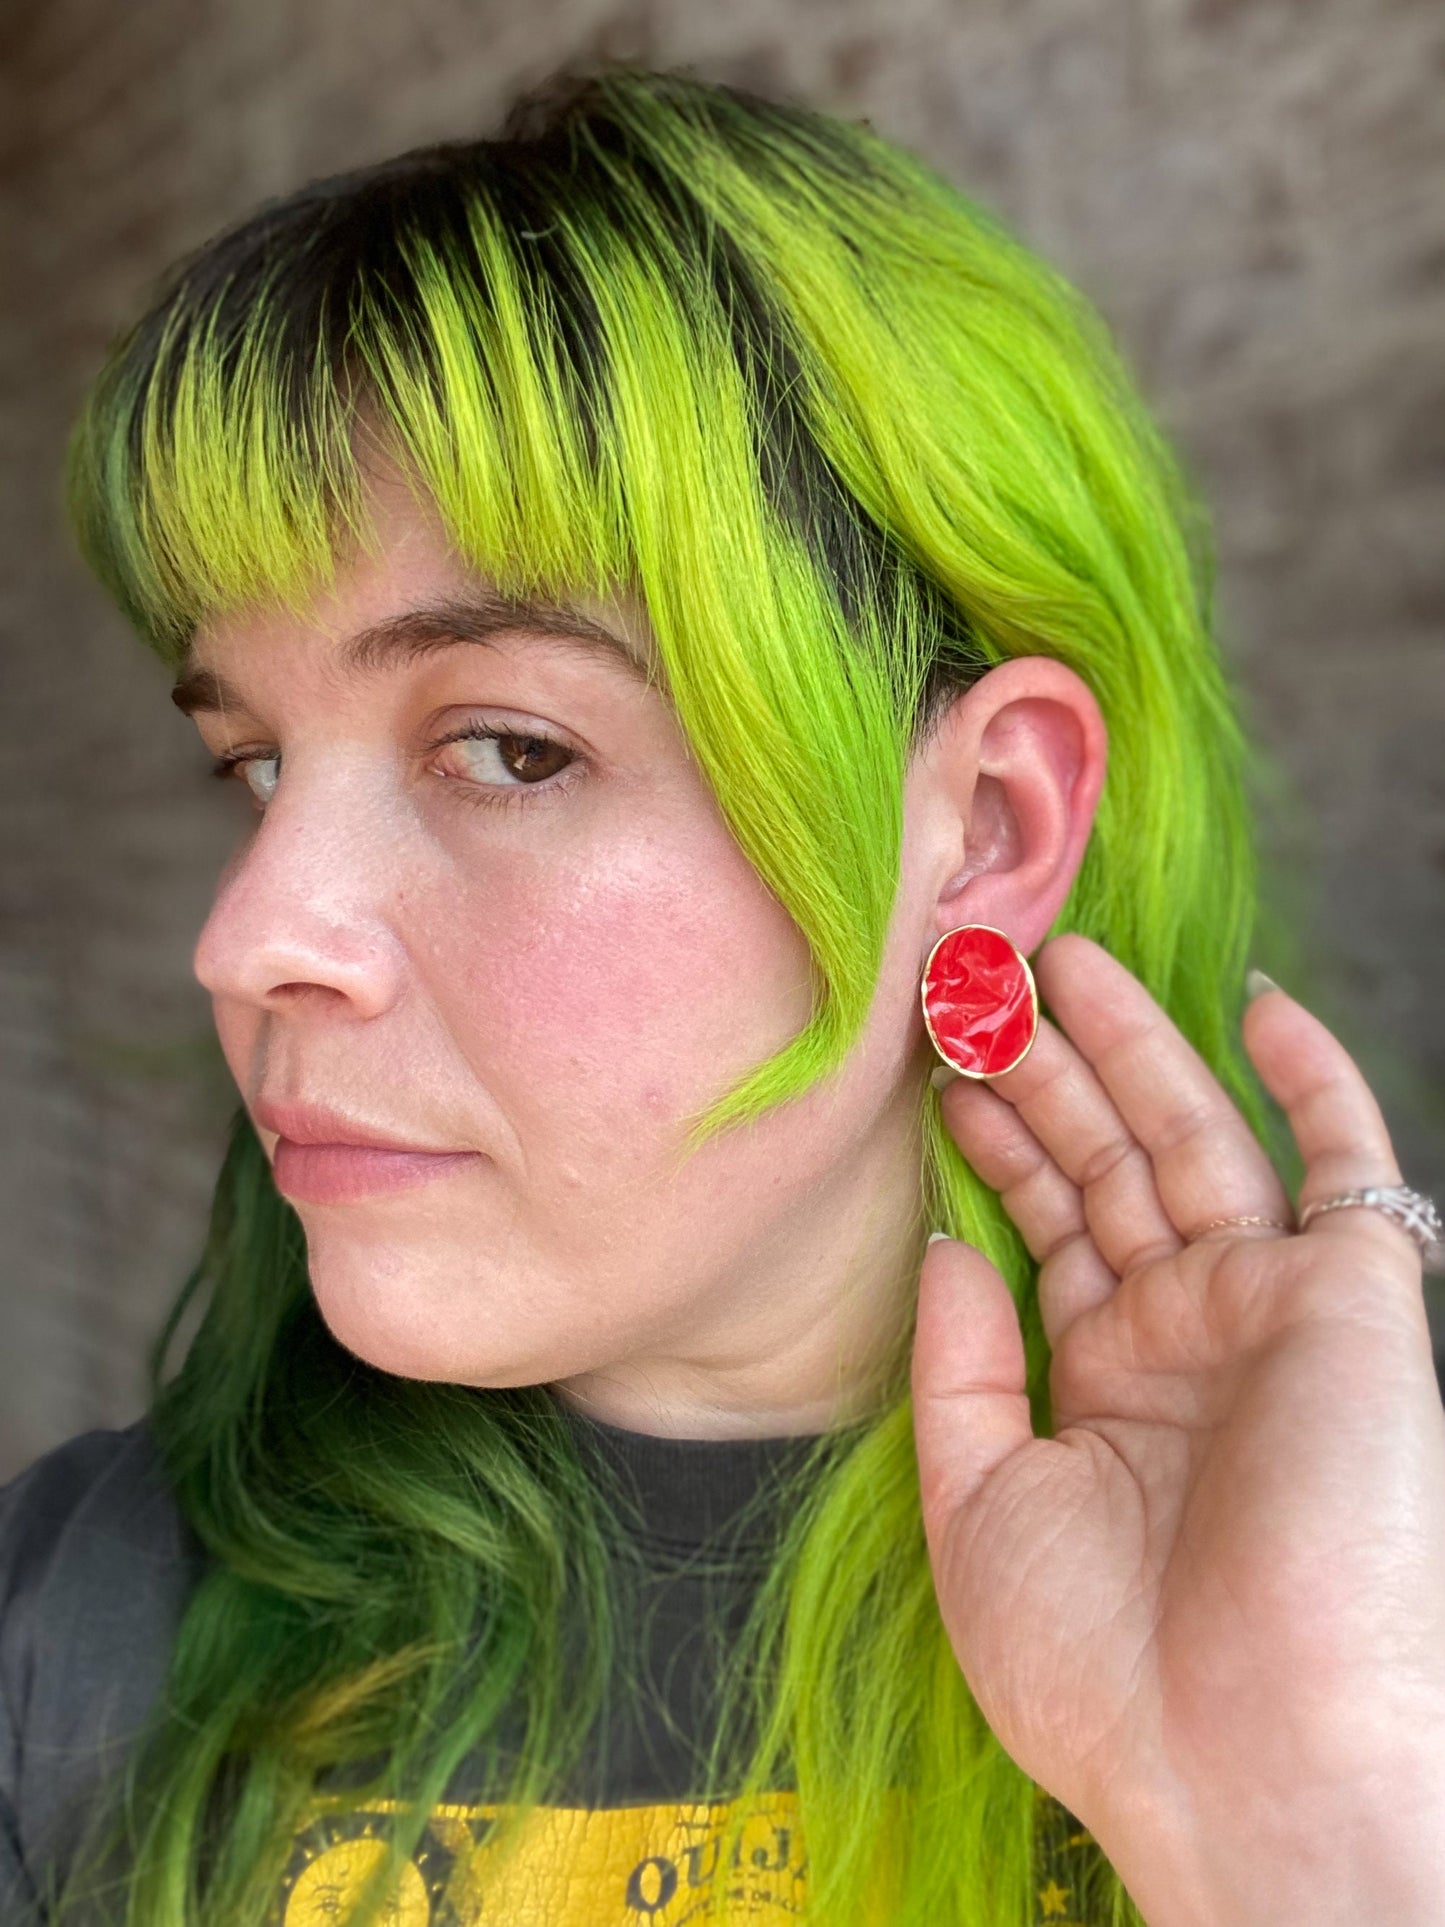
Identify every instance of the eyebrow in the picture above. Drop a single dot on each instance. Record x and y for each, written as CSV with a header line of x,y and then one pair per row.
x,y
478,617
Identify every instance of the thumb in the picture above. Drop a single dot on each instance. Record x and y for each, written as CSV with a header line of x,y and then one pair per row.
x,y
970,1407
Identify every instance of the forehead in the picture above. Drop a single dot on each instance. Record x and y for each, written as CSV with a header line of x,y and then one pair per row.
x,y
407,596
480,616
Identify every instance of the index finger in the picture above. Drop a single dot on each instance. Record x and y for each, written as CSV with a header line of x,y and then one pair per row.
x,y
1134,1114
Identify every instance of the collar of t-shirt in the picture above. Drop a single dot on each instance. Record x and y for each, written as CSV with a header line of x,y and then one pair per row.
x,y
696,1494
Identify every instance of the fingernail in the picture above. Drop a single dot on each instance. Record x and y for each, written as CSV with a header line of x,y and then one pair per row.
x,y
936,1234
1256,983
943,1076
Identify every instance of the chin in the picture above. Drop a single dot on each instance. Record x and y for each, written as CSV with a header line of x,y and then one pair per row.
x,y
391,1327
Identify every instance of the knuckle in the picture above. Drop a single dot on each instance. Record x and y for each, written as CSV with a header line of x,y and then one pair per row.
x,y
1106,1158
1186,1126
1051,1248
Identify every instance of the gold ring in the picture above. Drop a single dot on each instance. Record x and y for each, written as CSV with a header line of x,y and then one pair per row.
x,y
1217,1224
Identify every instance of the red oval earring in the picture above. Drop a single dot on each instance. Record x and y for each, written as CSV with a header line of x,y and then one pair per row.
x,y
980,1002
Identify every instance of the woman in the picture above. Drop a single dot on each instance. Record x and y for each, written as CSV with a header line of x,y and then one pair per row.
x,y
669,578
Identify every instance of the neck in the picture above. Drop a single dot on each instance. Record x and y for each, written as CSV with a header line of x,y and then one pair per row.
x,y
812,1339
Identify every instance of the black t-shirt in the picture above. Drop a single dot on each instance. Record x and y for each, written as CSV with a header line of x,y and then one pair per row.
x,y
96,1567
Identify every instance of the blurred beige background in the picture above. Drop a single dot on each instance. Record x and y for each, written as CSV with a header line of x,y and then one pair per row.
x,y
1254,195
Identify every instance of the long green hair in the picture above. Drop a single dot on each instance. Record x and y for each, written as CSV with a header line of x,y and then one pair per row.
x,y
852,444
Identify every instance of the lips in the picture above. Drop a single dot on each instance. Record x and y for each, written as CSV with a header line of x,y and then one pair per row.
x,y
325,1157
344,1173
319,1124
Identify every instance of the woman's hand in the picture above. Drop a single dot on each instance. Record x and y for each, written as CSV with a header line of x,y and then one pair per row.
x,y
1208,1614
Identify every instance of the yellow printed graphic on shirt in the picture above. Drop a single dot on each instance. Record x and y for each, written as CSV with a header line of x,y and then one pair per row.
x,y
635,1866
571,1867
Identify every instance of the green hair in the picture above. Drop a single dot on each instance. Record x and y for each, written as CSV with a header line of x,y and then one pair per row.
x,y
852,444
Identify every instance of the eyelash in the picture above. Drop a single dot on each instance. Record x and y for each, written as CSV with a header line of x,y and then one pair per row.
x,y
495,796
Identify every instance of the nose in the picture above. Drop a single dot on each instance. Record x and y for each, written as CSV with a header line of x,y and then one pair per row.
x,y
304,909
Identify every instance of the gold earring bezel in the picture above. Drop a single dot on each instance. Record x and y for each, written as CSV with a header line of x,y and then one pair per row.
x,y
980,1076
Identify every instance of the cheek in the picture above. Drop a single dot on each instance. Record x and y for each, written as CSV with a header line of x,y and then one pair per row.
x,y
633,987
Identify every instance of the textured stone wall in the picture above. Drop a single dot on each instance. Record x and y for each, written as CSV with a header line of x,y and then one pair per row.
x,y
1251,190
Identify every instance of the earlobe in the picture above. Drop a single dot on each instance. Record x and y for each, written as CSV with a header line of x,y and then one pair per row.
x,y
1039,755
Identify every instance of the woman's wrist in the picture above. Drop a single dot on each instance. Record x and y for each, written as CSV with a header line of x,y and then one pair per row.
x,y
1374,1859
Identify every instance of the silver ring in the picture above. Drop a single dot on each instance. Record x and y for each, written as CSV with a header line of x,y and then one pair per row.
x,y
1410,1210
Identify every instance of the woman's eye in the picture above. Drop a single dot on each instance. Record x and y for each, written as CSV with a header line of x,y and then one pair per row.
x,y
507,759
491,761
260,774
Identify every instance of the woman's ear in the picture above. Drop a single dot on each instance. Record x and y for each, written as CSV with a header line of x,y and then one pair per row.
x,y
1015,770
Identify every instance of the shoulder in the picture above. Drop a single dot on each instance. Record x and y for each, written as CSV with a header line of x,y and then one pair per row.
x,y
96,1566
95,1515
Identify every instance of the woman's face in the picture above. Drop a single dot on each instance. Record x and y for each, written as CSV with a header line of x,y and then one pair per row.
x,y
539,953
